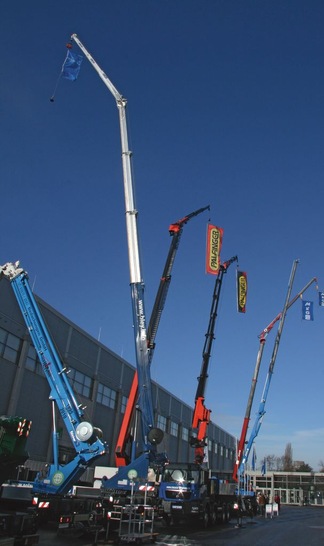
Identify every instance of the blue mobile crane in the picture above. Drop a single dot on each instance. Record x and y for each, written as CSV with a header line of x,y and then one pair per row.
x,y
137,466
151,436
55,479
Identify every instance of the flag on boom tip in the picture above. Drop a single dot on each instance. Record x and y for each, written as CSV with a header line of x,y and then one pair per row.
x,y
321,299
214,245
307,310
70,69
71,66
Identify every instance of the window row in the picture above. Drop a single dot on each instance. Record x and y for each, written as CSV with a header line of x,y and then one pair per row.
x,y
80,382
221,450
9,346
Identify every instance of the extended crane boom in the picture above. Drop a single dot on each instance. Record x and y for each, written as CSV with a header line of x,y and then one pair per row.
x,y
86,439
175,231
201,415
261,411
263,338
193,491
150,435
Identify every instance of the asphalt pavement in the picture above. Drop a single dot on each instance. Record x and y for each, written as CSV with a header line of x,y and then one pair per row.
x,y
302,525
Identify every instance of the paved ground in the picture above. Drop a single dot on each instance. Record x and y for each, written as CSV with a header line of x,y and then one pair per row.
x,y
294,525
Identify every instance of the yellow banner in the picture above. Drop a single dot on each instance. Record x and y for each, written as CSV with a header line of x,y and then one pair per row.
x,y
241,291
214,245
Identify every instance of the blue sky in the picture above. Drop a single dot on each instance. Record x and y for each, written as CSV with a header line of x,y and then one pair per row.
x,y
225,107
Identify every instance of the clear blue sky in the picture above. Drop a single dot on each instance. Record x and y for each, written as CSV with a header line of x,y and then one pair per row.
x,y
225,107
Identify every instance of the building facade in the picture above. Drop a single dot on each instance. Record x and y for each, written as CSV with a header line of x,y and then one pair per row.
x,y
302,488
101,381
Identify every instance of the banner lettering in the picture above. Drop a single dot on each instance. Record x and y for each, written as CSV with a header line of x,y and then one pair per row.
x,y
307,310
214,245
241,291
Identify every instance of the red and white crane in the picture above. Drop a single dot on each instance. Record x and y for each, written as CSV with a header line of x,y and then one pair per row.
x,y
243,450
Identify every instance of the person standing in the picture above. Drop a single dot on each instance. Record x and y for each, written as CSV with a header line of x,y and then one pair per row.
x,y
261,503
277,501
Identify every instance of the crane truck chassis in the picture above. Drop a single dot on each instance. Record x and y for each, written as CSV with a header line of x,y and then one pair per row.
x,y
190,493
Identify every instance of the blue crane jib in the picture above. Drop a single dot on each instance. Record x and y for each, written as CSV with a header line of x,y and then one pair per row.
x,y
86,439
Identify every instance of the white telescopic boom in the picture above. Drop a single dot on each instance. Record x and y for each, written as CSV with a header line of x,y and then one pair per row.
x,y
131,212
136,282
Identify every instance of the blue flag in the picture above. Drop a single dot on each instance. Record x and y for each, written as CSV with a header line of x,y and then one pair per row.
x,y
254,458
321,298
307,310
71,66
264,468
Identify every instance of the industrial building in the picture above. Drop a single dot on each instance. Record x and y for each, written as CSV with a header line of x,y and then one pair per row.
x,y
101,381
302,488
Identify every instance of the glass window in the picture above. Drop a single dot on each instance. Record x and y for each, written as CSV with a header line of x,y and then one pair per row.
x,y
80,382
161,422
31,359
185,434
216,448
106,396
32,362
9,346
174,428
210,445
3,336
124,401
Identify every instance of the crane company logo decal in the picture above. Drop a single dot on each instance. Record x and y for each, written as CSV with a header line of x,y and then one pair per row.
x,y
214,244
57,478
141,321
241,291
307,310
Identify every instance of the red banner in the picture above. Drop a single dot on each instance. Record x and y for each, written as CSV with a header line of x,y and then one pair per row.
x,y
214,245
241,291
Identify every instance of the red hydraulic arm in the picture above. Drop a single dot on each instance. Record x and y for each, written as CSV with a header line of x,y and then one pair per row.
x,y
175,230
201,415
262,337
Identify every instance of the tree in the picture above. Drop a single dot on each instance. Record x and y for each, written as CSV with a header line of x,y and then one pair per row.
x,y
270,462
273,462
288,465
303,467
285,463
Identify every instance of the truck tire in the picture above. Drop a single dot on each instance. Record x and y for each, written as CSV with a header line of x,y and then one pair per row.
x,y
213,518
170,521
206,518
224,514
